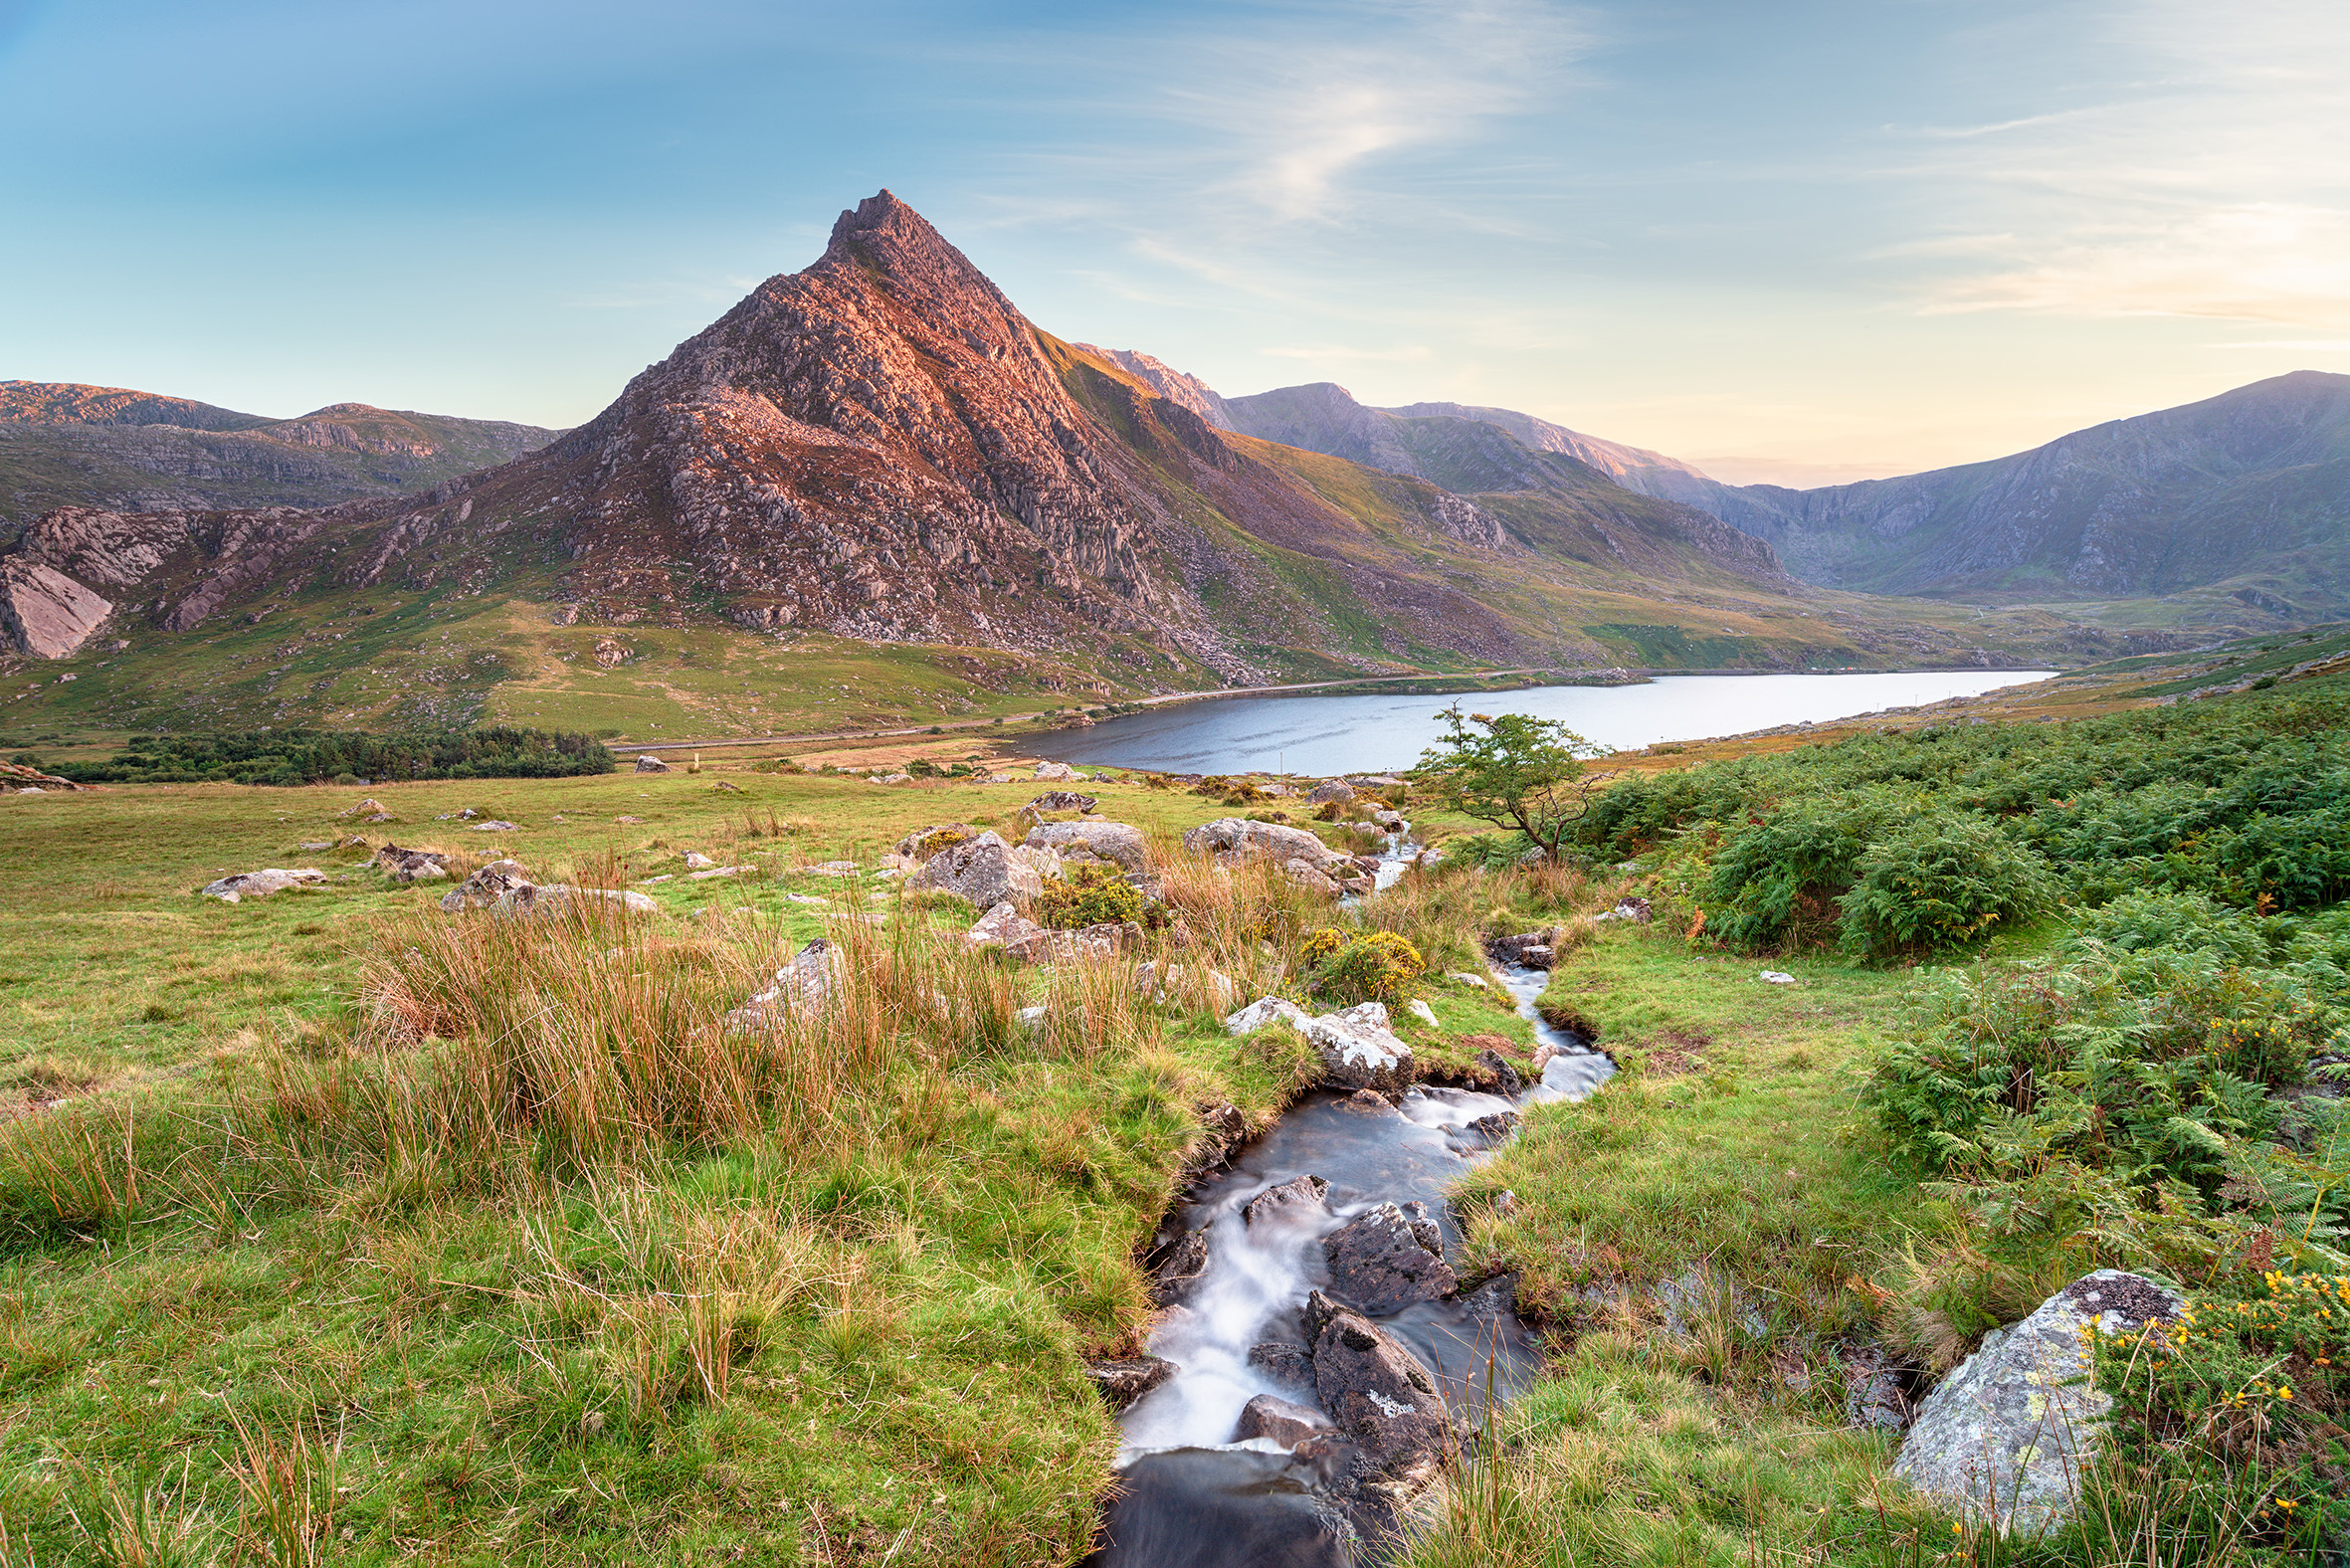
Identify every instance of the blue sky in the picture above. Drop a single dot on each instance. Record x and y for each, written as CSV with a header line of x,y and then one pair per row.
x,y
1801,240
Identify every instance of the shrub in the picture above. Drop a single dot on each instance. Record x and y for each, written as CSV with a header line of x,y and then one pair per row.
x,y
1776,882
1378,966
1327,811
1939,883
1085,895
1320,945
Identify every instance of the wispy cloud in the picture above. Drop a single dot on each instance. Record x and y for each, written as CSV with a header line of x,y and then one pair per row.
x,y
2297,346
2214,182
1342,351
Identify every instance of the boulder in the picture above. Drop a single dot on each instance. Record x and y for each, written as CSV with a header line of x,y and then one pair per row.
x,y
808,980
1331,790
1516,950
1492,1067
1420,1011
371,809
1055,773
1494,1127
1238,837
1359,1052
2006,1437
1178,983
1269,1415
650,764
1001,926
1123,1383
1106,941
1385,1258
1377,1392
696,861
1264,1011
1116,842
1636,910
261,884
1283,1362
487,886
1182,1266
982,870
1061,800
1307,875
1283,1199
920,845
406,866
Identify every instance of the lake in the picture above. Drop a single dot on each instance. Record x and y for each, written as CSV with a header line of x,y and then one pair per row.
x,y
1324,735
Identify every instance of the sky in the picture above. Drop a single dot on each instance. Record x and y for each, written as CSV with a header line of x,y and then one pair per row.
x,y
1800,242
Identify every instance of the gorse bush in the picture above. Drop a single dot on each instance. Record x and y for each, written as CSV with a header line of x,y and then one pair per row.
x,y
1377,966
1084,896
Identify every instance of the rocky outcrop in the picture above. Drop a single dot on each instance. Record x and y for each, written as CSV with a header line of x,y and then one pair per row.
x,y
262,883
924,843
2006,1437
1238,837
1116,842
45,613
983,870
1385,1258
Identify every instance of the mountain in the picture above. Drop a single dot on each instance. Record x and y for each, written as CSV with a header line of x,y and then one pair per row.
x,y
2250,487
63,444
881,452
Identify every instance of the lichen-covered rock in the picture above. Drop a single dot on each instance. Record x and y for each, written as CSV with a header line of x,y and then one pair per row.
x,y
1358,1050
1116,842
982,870
1002,926
1384,1260
1061,800
920,845
408,866
1180,983
1267,1010
507,888
487,886
809,980
1376,1391
2006,1437
650,764
261,884
1056,772
1105,940
1331,790
1311,878
1241,836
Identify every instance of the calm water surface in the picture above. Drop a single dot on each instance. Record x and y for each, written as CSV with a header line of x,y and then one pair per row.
x,y
1354,734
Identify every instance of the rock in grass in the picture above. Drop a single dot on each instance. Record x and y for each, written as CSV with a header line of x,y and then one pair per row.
x,y
486,886
1001,926
1288,1424
1118,842
983,870
406,866
261,884
920,845
1123,1383
2007,1436
1384,1260
1332,790
1172,983
1061,800
1055,773
1267,1010
506,886
651,764
1238,837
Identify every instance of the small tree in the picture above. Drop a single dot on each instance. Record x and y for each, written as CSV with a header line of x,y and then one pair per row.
x,y
1515,771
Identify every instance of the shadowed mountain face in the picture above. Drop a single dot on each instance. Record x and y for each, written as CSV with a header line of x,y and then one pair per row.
x,y
882,447
61,445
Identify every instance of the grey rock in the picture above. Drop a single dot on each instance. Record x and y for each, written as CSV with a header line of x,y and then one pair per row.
x,y
1310,877
1106,941
408,866
1297,1194
1875,1400
650,764
2006,1437
486,886
1002,926
262,883
1182,1268
1061,800
1241,836
1495,1127
982,870
1267,1010
922,842
1288,1424
1055,773
1180,983
1123,1383
1283,1362
1358,1051
807,981
1493,1064
1382,1260
1515,949
1119,843
1333,790
1377,1392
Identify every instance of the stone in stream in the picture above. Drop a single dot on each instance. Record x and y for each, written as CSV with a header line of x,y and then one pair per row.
x,y
1283,1362
1358,1051
1269,1415
2007,1436
1184,1264
1377,1392
1495,1127
1123,1383
1384,1260
1514,949
1296,1193
261,884
1492,1066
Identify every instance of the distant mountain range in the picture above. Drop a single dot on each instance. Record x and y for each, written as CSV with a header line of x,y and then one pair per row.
x,y
2247,494
882,448
65,445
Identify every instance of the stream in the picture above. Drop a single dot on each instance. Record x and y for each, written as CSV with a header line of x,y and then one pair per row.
x,y
1194,1496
